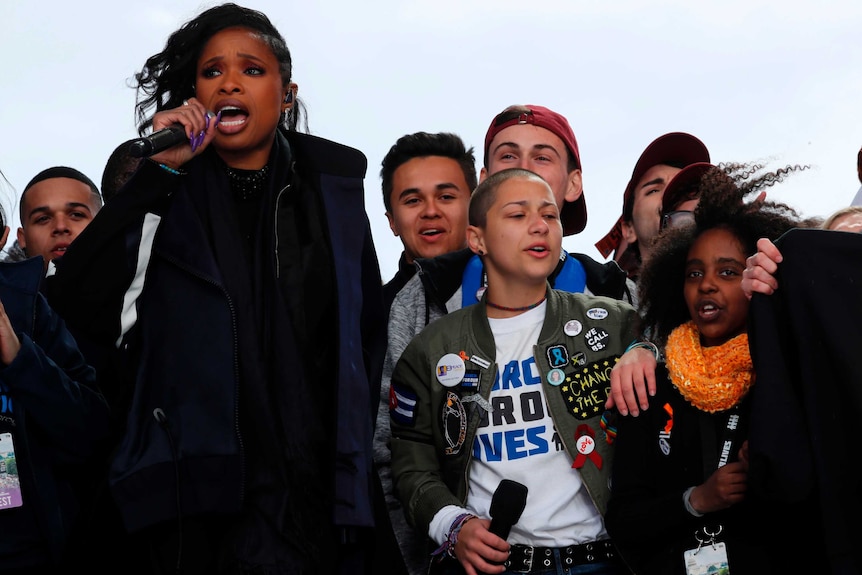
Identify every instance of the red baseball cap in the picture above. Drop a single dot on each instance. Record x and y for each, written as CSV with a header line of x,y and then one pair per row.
x,y
683,186
573,216
675,148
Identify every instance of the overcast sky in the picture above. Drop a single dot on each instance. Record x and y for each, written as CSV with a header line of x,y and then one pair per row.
x,y
755,80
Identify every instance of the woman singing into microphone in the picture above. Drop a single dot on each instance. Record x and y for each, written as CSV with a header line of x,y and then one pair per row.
x,y
236,274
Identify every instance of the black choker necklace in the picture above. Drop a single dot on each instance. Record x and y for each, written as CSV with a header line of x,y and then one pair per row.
x,y
247,184
489,303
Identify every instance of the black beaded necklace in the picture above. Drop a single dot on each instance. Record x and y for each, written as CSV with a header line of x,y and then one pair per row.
x,y
247,184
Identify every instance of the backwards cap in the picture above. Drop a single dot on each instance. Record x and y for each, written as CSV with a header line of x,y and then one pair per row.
x,y
683,186
675,148
573,216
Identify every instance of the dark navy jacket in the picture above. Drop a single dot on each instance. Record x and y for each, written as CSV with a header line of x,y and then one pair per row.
x,y
183,416
59,420
806,407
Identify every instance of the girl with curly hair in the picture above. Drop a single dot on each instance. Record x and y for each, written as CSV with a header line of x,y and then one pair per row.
x,y
678,501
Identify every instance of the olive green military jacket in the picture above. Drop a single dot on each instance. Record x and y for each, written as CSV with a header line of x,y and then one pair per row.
x,y
444,378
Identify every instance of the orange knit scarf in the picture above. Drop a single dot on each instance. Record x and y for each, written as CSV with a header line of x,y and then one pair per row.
x,y
710,378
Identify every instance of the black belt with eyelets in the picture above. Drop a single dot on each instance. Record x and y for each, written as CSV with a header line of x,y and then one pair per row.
x,y
526,559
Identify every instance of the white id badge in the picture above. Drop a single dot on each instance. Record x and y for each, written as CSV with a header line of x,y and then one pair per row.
x,y
709,558
10,486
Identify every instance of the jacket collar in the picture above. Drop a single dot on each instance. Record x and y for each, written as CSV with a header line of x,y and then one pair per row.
x,y
25,275
442,275
482,328
607,279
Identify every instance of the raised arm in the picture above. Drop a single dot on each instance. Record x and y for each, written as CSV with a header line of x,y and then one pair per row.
x,y
759,274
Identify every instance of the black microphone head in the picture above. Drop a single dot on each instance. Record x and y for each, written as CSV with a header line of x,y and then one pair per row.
x,y
140,148
158,141
508,502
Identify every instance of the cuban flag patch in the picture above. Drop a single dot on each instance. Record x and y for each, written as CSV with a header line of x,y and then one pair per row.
x,y
402,405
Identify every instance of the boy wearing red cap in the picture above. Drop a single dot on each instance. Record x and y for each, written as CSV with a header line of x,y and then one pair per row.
x,y
499,448
530,137
632,235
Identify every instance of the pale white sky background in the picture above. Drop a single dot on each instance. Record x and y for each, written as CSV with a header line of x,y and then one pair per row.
x,y
752,79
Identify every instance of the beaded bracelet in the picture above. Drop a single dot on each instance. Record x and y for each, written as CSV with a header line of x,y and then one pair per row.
x,y
686,499
646,345
448,546
169,169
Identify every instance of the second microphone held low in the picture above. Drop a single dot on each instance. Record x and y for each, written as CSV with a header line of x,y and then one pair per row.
x,y
507,504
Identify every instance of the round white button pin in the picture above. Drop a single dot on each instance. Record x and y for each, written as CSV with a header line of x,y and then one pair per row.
x,y
450,370
573,327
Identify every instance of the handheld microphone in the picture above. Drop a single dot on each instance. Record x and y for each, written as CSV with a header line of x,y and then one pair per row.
x,y
158,141
507,504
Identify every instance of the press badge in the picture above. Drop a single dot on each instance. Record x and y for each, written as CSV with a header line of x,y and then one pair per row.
x,y
10,486
707,558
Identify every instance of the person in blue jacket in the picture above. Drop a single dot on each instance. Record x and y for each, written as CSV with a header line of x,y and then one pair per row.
x,y
237,274
52,419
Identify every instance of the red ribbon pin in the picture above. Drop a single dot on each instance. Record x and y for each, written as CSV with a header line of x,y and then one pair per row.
x,y
585,441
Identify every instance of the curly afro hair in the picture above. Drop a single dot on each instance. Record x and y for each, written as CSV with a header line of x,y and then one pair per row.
x,y
725,193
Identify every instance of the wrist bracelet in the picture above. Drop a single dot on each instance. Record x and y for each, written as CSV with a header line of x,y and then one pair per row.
x,y
686,499
646,345
448,547
169,169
